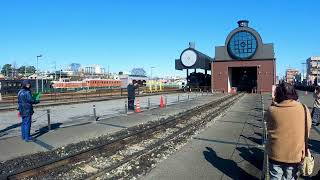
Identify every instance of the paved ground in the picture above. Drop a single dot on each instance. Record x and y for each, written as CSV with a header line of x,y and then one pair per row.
x,y
229,149
314,139
66,115
72,133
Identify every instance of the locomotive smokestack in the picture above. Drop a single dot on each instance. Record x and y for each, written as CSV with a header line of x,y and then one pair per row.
x,y
192,45
243,23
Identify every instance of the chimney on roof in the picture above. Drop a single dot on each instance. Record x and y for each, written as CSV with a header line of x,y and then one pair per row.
x,y
192,45
243,23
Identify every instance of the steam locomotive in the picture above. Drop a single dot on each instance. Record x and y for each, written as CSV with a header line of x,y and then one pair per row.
x,y
199,80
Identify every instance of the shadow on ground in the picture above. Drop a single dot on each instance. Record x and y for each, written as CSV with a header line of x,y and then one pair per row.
x,y
253,139
226,166
45,129
314,145
252,155
3,131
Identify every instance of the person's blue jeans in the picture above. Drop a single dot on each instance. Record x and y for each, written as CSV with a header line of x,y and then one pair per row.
x,y
25,127
315,115
131,104
283,171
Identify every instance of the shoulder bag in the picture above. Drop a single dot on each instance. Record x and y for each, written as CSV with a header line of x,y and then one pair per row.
x,y
307,164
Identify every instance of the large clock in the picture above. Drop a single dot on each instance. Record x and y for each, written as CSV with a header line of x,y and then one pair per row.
x,y
242,45
188,58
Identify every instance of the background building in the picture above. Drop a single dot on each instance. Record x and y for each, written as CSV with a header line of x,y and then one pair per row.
x,y
94,69
75,67
244,63
312,64
293,76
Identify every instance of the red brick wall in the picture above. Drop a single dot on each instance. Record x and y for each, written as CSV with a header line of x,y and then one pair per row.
x,y
265,78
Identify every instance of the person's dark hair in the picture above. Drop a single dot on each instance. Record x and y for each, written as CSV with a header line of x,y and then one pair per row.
x,y
285,91
25,82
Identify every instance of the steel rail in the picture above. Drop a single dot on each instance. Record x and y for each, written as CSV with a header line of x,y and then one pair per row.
x,y
157,144
51,164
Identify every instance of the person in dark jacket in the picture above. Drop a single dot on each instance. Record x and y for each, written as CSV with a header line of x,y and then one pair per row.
x,y
25,106
131,95
316,107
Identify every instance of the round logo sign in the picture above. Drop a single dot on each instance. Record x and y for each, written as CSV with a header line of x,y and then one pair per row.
x,y
188,58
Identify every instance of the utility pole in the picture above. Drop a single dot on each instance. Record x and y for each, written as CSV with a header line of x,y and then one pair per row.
x,y
151,72
303,66
37,73
60,74
108,71
55,70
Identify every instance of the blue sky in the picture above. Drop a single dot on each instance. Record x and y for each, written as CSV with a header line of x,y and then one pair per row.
x,y
126,34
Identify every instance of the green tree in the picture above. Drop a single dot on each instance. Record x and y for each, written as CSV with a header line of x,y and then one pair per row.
x,y
22,69
31,69
26,69
6,69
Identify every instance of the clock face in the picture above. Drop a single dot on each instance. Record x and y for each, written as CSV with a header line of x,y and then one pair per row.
x,y
188,58
242,45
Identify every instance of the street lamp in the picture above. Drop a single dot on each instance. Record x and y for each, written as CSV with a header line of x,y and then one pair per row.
x,y
37,84
151,72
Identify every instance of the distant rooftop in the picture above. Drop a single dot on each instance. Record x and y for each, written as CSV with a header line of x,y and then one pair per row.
x,y
314,58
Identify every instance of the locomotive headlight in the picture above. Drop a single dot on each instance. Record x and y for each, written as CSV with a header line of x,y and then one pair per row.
x,y
188,58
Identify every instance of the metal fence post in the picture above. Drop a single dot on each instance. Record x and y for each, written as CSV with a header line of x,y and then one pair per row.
x,y
48,115
148,103
178,97
126,106
165,100
265,169
72,97
94,113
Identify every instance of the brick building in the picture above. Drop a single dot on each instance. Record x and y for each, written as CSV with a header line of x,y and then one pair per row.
x,y
244,62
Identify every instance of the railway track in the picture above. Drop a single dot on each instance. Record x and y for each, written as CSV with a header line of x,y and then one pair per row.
x,y
58,96
8,105
129,153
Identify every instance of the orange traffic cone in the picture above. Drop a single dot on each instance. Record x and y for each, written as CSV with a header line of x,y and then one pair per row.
x,y
161,102
138,110
306,93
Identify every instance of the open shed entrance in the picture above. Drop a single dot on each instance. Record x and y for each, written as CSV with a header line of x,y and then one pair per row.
x,y
243,78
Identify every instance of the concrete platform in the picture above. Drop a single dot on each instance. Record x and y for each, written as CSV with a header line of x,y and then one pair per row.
x,y
66,115
230,148
314,139
75,132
